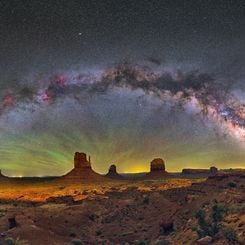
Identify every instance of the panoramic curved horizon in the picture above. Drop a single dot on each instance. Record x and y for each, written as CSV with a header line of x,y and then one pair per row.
x,y
125,85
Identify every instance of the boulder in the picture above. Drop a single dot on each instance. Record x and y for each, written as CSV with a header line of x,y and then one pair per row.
x,y
205,240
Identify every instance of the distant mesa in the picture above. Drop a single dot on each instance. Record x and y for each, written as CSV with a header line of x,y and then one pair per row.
x,y
113,174
82,170
190,171
213,170
2,176
157,168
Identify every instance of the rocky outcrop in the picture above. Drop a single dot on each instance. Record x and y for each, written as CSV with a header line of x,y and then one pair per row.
x,y
157,168
82,170
191,171
112,173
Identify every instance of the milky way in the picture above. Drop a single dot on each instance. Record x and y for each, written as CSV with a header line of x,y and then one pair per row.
x,y
212,98
211,103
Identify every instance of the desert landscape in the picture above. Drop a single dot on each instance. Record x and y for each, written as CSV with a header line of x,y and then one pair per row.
x,y
122,122
155,208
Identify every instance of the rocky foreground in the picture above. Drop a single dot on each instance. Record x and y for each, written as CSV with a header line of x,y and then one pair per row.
x,y
208,212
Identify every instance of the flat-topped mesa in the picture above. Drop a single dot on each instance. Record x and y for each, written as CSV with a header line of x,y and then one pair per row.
x,y
80,160
112,173
191,171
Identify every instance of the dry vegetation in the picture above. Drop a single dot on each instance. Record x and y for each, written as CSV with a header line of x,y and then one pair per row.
x,y
156,212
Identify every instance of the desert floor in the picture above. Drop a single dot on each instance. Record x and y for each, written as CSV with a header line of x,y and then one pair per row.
x,y
159,212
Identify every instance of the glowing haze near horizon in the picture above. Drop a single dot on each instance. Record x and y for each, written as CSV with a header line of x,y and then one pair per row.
x,y
125,85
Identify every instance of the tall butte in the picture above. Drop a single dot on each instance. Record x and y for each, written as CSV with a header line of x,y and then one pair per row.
x,y
82,170
157,169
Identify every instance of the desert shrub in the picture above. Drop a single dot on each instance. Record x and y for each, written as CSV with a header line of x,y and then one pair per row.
x,y
218,212
98,232
230,235
12,241
143,242
162,242
146,199
77,242
203,227
232,184
72,234
212,226
2,212
237,208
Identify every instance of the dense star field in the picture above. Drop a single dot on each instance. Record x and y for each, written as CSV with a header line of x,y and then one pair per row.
x,y
125,83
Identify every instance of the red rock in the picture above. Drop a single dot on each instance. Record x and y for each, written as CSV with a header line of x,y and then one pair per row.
x,y
158,165
157,168
112,173
82,170
208,172
80,160
205,240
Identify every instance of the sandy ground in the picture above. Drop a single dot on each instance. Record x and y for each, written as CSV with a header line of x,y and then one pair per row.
x,y
40,191
116,212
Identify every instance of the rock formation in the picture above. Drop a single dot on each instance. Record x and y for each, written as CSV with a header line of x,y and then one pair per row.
x,y
157,165
2,176
213,170
82,170
80,161
112,173
190,171
157,168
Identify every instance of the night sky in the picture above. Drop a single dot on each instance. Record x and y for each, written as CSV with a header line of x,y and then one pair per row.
x,y
124,81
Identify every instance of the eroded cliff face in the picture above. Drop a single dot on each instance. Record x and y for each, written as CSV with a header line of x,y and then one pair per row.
x,y
158,165
80,160
82,170
157,169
